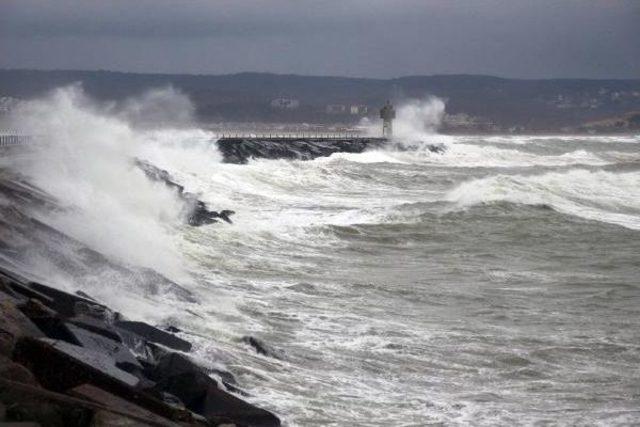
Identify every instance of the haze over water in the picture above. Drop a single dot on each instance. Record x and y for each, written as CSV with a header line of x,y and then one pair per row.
x,y
495,282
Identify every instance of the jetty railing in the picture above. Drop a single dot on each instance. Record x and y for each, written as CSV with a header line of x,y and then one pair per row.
x,y
12,140
289,135
16,139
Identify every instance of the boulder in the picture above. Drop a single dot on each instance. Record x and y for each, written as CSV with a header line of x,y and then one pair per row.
x,y
178,375
13,325
128,414
12,371
261,347
82,364
153,334
123,358
60,366
48,321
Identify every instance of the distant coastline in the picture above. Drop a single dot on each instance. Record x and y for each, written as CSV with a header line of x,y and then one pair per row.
x,y
474,103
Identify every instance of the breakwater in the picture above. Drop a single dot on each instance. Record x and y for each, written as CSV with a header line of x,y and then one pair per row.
x,y
240,150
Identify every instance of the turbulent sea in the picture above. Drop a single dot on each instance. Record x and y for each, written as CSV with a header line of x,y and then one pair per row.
x,y
494,283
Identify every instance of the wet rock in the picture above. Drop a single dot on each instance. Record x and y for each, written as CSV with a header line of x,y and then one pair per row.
x,y
240,150
13,325
12,371
59,365
24,291
198,214
155,335
178,375
85,296
147,353
129,413
63,302
171,364
121,355
97,326
260,346
48,321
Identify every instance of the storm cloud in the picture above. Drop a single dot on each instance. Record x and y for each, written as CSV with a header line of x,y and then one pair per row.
x,y
372,38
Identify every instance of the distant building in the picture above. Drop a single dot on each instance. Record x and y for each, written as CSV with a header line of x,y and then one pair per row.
x,y
336,109
359,110
285,103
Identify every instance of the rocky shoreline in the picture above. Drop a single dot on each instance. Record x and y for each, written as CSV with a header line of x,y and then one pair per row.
x,y
68,360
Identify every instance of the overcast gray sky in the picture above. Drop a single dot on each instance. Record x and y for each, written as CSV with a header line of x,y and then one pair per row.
x,y
370,38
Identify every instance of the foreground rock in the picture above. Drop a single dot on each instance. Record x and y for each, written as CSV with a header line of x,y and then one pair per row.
x,y
240,150
67,360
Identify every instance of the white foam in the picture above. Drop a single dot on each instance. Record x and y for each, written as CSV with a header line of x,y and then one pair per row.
x,y
596,195
533,139
88,166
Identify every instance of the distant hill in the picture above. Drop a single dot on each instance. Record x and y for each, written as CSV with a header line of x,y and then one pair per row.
x,y
501,104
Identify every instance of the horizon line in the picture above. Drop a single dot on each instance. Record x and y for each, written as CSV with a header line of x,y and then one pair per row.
x,y
269,73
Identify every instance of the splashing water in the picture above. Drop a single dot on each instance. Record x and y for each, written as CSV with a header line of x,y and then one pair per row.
x,y
87,164
492,283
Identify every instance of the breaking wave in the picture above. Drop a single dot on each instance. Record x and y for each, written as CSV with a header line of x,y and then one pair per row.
x,y
595,195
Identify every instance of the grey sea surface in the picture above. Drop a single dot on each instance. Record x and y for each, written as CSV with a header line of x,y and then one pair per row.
x,y
496,283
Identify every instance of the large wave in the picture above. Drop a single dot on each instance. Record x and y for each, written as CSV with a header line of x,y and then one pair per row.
x,y
87,165
595,195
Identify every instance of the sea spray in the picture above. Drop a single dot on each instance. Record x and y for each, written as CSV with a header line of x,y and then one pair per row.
x,y
418,119
87,164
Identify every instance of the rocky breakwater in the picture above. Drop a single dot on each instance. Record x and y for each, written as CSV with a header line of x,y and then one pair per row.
x,y
198,214
68,360
240,150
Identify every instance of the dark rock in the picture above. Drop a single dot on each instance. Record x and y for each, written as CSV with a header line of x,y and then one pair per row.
x,y
95,311
172,400
60,366
12,371
83,362
155,335
47,321
123,358
97,326
260,346
25,291
63,302
171,364
147,353
198,213
178,375
60,301
13,325
85,296
130,414
240,150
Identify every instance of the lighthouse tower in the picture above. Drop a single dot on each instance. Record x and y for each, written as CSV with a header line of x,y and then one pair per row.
x,y
387,114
